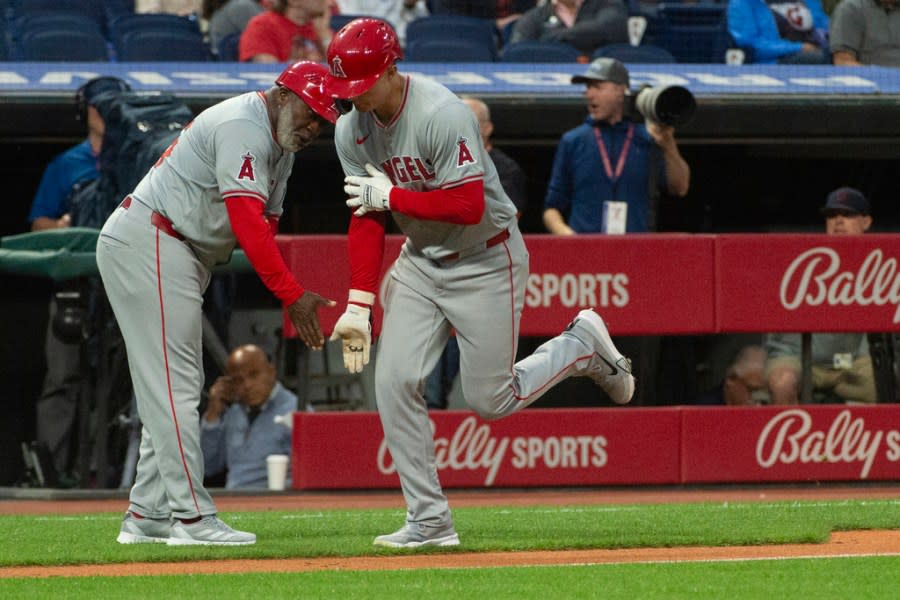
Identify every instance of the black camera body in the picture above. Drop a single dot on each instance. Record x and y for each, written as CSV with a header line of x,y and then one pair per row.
x,y
672,105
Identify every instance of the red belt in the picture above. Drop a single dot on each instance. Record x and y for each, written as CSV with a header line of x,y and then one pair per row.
x,y
157,220
497,239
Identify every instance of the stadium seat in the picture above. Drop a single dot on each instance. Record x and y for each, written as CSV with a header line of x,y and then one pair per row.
x,y
338,21
691,13
163,46
693,33
540,52
645,53
92,9
55,21
117,8
228,48
67,45
447,50
482,32
126,23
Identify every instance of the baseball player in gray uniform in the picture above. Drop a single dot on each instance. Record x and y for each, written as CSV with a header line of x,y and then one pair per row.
x,y
221,182
409,146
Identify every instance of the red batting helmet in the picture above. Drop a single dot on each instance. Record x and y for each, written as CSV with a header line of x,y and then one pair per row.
x,y
358,54
307,80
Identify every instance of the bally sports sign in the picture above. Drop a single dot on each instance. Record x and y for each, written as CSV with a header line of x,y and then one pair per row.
x,y
648,284
612,446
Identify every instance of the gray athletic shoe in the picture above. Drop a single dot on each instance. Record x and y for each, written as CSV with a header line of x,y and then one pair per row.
x,y
208,531
144,530
608,368
413,535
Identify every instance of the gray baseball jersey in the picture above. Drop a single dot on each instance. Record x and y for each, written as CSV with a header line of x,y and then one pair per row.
x,y
229,150
432,143
470,278
155,283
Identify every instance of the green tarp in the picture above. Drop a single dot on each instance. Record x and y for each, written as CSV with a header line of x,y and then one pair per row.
x,y
61,254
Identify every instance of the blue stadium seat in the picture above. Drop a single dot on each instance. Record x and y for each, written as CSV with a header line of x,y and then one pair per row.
x,y
117,8
93,9
67,45
338,21
540,52
53,20
448,50
693,33
451,27
645,53
228,49
126,23
703,13
163,46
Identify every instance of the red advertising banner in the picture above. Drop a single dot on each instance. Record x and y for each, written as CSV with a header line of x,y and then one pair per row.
x,y
538,447
795,443
813,282
321,264
656,284
661,283
640,284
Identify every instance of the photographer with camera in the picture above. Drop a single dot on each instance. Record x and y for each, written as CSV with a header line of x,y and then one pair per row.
x,y
612,164
609,170
57,407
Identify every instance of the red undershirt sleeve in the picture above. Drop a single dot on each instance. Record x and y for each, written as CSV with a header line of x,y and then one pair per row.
x,y
365,245
254,233
462,204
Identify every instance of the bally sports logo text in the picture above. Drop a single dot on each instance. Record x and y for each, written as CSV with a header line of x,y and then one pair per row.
x,y
576,290
815,278
472,447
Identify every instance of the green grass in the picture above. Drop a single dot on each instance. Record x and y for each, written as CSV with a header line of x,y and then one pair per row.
x,y
844,578
57,540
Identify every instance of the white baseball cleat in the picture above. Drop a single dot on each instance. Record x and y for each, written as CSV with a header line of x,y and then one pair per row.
x,y
608,368
208,531
143,530
413,535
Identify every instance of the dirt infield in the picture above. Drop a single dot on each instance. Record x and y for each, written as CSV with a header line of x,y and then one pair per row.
x,y
857,543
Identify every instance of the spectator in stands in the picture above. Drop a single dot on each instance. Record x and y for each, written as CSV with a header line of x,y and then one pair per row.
x,y
585,24
792,32
514,183
611,158
503,12
289,31
57,407
229,18
841,365
866,32
239,427
396,12
744,383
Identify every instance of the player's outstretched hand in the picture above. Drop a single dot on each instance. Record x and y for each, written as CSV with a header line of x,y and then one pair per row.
x,y
355,331
368,193
304,314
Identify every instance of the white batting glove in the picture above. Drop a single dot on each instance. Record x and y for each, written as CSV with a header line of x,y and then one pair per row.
x,y
354,329
368,193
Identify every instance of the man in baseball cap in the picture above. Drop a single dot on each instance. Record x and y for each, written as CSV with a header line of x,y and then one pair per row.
x,y
841,367
221,183
846,200
846,210
604,69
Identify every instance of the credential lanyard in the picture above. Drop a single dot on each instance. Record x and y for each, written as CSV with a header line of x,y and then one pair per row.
x,y
623,156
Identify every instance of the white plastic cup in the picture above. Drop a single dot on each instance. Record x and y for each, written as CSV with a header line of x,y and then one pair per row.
x,y
276,466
